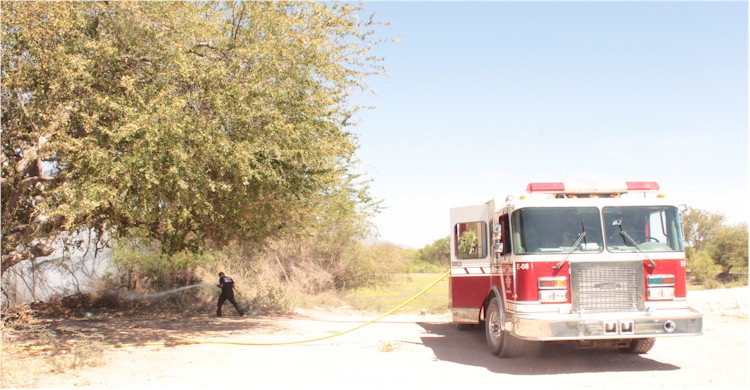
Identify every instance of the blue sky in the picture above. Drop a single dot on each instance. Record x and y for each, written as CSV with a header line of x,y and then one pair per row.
x,y
482,98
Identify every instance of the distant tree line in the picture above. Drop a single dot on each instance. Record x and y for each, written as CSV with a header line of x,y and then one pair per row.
x,y
438,253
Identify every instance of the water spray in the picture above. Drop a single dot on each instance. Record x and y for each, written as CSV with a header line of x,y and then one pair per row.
x,y
131,296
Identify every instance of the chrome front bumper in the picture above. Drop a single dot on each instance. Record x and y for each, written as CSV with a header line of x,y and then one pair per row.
x,y
556,326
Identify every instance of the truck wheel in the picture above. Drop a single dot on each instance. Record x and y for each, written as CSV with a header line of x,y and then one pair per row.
x,y
500,342
640,346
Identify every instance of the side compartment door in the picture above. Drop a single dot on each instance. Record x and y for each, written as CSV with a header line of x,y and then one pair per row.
x,y
470,235
471,252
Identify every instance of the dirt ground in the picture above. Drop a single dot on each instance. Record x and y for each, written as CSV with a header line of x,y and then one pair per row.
x,y
411,350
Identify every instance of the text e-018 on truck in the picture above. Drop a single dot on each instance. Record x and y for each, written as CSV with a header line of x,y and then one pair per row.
x,y
601,264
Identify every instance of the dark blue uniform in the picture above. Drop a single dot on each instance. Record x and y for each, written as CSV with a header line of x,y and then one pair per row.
x,y
227,294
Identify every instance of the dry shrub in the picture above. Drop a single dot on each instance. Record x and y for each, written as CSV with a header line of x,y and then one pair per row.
x,y
21,318
78,305
371,265
258,283
310,277
285,274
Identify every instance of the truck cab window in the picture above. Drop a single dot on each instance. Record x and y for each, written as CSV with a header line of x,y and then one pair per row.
x,y
556,230
505,228
649,228
470,240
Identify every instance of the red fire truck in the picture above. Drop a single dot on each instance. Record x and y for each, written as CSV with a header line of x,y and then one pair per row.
x,y
600,264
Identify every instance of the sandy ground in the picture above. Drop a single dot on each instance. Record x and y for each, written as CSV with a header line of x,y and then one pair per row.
x,y
400,351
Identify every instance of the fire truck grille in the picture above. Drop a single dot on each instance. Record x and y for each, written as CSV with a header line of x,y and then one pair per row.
x,y
607,287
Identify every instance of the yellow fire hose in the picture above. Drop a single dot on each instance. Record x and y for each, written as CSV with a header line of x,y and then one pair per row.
x,y
255,343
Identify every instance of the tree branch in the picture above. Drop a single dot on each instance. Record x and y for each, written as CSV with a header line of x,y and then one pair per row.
x,y
23,108
267,198
208,46
237,25
37,179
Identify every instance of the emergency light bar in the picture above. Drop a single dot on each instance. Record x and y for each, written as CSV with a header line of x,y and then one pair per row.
x,y
592,188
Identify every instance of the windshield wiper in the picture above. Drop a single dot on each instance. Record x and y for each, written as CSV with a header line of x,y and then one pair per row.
x,y
573,249
631,241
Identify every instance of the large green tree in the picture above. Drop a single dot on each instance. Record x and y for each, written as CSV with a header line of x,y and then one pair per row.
x,y
185,122
714,247
729,248
700,226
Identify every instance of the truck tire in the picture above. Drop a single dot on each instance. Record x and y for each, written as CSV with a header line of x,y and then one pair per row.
x,y
640,346
499,341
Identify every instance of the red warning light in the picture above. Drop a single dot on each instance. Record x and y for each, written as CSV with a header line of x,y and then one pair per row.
x,y
545,187
642,186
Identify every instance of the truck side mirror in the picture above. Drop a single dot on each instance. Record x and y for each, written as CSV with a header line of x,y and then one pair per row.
x,y
498,238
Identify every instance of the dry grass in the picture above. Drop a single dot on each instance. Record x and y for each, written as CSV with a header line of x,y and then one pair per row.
x,y
389,346
33,343
403,287
29,348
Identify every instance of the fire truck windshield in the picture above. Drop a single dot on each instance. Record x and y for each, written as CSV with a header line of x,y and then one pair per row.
x,y
648,228
556,230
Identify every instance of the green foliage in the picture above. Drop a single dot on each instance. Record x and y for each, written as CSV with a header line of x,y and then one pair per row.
x,y
704,269
728,248
438,253
145,267
422,267
714,248
196,123
699,227
467,243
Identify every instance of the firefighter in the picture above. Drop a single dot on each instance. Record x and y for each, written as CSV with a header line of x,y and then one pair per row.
x,y
227,294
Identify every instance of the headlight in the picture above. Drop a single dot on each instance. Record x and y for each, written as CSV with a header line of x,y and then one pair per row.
x,y
661,287
553,296
553,289
656,293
